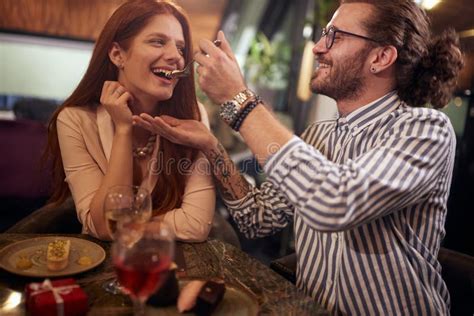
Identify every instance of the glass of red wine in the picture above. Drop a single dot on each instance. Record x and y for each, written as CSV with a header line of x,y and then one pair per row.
x,y
143,264
125,206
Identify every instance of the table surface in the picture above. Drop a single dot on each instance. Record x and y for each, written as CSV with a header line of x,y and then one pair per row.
x,y
210,259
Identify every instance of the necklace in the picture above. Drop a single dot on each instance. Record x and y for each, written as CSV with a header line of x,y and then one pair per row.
x,y
142,152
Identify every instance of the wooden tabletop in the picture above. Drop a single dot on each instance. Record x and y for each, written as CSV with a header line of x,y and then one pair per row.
x,y
211,259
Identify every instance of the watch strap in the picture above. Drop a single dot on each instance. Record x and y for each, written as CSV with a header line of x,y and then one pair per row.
x,y
230,110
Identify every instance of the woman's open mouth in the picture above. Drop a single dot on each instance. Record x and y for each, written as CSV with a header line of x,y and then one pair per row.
x,y
162,73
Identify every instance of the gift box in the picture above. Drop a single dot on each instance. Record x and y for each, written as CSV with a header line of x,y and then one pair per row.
x,y
56,298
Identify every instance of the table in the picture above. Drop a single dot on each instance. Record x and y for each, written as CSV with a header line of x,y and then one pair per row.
x,y
210,259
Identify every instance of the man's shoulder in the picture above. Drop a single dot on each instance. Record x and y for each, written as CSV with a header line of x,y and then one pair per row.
x,y
420,120
422,114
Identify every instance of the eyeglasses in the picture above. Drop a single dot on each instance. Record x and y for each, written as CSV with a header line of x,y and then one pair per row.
x,y
330,34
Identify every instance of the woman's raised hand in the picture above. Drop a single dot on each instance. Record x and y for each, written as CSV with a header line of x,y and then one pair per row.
x,y
190,133
115,99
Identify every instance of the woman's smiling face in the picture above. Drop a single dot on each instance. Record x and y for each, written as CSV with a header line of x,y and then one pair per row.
x,y
159,46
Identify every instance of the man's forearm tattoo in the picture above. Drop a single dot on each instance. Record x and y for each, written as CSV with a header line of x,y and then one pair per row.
x,y
228,178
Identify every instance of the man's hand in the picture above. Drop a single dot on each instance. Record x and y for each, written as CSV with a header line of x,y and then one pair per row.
x,y
190,133
219,73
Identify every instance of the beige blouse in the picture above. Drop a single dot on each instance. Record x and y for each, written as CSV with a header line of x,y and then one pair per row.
x,y
85,139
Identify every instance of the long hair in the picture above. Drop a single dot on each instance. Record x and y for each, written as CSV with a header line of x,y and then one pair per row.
x,y
124,24
427,67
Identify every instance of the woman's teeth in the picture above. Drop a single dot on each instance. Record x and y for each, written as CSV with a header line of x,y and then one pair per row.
x,y
163,73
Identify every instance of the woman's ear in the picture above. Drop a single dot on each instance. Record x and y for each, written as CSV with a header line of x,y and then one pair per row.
x,y
117,55
385,57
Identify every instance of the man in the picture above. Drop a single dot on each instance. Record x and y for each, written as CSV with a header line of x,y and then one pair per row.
x,y
368,191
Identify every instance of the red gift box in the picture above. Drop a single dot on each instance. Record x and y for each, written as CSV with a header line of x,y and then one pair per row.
x,y
56,298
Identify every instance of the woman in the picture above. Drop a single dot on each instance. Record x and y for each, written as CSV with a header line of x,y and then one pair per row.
x,y
94,143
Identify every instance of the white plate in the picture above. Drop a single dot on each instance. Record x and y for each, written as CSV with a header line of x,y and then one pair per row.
x,y
35,249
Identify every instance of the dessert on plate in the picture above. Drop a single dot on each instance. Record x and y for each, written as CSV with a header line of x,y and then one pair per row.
x,y
57,256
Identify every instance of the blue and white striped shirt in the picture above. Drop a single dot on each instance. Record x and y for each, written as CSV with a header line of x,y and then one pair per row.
x,y
368,194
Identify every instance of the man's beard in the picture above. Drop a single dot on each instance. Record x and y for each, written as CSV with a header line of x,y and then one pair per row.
x,y
345,80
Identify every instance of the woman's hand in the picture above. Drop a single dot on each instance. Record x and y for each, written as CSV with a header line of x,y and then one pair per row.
x,y
219,73
115,99
190,133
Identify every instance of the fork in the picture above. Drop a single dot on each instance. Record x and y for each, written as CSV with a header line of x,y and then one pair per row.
x,y
186,71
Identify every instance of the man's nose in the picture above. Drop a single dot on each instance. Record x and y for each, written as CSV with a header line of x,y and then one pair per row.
x,y
320,46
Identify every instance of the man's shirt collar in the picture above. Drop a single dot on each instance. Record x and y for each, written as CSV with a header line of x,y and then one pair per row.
x,y
365,115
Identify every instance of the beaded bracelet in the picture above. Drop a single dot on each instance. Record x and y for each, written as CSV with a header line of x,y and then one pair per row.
x,y
245,112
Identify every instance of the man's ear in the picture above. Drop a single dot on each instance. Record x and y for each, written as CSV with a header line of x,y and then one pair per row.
x,y
117,55
383,58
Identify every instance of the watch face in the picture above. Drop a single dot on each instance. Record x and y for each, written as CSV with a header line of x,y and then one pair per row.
x,y
228,111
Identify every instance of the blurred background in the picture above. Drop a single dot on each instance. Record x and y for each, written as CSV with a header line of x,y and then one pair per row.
x,y
45,47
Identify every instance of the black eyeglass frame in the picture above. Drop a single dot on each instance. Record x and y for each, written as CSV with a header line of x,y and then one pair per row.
x,y
330,39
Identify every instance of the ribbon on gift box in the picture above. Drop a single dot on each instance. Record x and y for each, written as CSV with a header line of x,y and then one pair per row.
x,y
47,286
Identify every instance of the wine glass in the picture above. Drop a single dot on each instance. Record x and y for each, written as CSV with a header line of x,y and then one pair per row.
x,y
124,204
128,206
143,266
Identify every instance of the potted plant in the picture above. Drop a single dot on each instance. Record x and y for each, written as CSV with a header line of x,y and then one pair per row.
x,y
267,67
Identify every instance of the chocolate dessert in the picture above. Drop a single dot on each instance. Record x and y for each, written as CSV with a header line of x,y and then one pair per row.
x,y
209,298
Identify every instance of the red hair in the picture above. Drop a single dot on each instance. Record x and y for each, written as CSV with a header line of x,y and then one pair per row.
x,y
122,27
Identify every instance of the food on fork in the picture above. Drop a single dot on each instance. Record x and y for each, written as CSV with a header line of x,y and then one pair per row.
x,y
57,257
186,71
168,74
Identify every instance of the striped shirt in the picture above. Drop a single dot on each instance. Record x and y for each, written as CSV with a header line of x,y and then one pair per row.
x,y
367,194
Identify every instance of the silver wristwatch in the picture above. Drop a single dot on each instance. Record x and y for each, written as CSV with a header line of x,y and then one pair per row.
x,y
229,110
